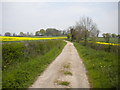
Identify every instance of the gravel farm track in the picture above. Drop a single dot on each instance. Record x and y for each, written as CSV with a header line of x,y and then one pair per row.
x,y
66,71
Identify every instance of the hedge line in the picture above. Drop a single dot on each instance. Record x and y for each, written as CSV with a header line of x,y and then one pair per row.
x,y
107,48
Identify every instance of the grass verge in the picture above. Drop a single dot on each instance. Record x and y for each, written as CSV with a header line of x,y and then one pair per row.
x,y
102,67
24,73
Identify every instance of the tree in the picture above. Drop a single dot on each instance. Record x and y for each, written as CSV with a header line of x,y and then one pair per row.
x,y
7,34
37,33
84,28
118,35
14,34
21,34
113,35
52,32
106,37
42,31
49,31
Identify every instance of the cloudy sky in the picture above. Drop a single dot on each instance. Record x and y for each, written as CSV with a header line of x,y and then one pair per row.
x,y
32,16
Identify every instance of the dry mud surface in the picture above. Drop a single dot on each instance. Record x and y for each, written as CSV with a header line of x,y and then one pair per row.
x,y
66,71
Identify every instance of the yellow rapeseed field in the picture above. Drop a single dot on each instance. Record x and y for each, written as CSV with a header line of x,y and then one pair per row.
x,y
6,38
108,43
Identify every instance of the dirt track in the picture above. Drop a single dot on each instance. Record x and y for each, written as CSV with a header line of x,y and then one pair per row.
x,y
66,71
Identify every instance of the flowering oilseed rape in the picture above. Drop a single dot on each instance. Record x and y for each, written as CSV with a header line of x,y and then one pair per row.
x,y
108,43
5,38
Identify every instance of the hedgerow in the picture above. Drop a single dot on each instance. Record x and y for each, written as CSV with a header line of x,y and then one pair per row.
x,y
24,61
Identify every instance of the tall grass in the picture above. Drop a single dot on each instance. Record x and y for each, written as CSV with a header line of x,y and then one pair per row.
x,y
102,67
31,60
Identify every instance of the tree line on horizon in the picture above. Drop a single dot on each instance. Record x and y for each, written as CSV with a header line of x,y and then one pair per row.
x,y
41,32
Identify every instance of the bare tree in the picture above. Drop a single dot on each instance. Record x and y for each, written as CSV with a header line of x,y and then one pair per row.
x,y
85,28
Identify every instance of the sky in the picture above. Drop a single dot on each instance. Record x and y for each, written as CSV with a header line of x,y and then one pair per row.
x,y
32,16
